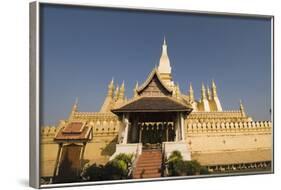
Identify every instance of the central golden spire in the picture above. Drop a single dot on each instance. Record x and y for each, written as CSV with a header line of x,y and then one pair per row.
x,y
164,67
164,62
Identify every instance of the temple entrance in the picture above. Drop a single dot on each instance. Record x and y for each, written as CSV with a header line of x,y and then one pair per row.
x,y
152,121
152,134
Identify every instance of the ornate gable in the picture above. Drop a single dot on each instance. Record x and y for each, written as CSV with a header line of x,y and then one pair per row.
x,y
154,86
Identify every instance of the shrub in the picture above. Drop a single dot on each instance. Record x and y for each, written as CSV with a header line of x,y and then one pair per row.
x,y
94,173
175,155
204,170
192,167
176,168
118,168
179,167
176,164
127,158
115,169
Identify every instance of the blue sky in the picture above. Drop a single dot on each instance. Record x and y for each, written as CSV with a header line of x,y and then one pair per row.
x,y
83,48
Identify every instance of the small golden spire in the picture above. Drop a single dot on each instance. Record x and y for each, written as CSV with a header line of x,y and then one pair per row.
x,y
209,95
242,110
74,109
203,92
110,88
191,92
214,89
116,93
122,91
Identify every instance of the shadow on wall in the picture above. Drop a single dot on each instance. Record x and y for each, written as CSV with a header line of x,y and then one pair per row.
x,y
110,148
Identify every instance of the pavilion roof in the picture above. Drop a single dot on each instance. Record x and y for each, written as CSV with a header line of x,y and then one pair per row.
x,y
74,131
153,104
154,73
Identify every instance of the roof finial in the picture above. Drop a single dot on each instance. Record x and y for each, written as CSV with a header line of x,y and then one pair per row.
x,y
203,92
164,43
214,89
135,89
242,110
76,101
209,95
191,92
74,109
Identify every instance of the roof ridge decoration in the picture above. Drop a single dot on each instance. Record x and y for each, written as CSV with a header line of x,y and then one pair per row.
x,y
150,77
144,103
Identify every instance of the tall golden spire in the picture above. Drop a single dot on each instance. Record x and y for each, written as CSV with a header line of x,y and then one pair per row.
x,y
191,92
164,62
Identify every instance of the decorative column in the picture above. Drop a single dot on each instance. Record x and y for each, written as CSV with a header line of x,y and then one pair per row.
x,y
182,126
126,130
140,134
134,131
167,132
177,127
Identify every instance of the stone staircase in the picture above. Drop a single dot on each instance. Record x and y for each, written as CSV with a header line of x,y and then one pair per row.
x,y
148,164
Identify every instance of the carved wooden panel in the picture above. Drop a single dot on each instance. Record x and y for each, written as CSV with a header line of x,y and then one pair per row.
x,y
155,88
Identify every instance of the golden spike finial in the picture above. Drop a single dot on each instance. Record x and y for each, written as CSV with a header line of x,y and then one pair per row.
x,y
135,90
164,42
122,91
110,88
76,101
209,93
122,85
214,89
203,92
191,92
74,109
242,110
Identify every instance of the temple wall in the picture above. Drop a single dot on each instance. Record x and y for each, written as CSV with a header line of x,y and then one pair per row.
x,y
201,137
100,148
209,137
49,150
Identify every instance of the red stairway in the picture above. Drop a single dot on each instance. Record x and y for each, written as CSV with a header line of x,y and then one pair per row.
x,y
148,164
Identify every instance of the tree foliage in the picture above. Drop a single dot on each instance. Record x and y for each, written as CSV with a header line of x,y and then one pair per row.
x,y
179,167
118,168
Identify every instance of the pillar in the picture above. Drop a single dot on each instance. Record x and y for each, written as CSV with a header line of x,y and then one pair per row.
x,y
140,134
126,130
182,126
134,132
57,161
82,156
167,132
177,128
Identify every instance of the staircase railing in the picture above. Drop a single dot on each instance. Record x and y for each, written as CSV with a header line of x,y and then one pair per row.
x,y
137,155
